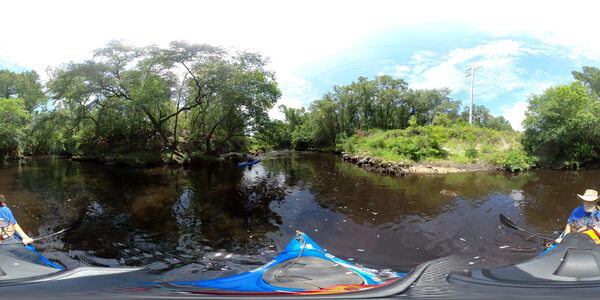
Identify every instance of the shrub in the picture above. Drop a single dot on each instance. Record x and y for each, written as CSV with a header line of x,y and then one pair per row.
x,y
515,161
471,153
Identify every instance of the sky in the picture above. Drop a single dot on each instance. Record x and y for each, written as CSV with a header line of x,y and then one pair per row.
x,y
520,47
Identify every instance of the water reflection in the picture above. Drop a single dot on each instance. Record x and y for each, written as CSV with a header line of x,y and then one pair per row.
x,y
203,222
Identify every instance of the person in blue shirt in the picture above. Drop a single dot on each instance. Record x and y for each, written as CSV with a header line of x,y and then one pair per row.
x,y
586,216
8,225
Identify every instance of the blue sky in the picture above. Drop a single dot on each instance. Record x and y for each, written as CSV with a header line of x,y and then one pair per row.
x,y
512,68
522,47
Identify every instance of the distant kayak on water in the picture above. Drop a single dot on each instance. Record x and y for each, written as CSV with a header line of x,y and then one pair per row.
x,y
249,163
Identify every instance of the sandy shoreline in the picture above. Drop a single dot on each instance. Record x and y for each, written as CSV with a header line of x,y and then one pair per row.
x,y
378,165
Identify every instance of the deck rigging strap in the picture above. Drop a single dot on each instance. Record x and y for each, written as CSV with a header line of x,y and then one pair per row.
x,y
288,266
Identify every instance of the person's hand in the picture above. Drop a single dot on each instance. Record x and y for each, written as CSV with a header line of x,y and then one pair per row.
x,y
27,241
582,229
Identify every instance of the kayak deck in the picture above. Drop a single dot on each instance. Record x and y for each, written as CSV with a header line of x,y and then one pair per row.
x,y
303,266
13,266
18,261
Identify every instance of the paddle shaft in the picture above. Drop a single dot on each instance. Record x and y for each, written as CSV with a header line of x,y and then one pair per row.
x,y
508,223
69,228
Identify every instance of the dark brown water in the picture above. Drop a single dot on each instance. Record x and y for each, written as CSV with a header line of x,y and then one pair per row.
x,y
186,224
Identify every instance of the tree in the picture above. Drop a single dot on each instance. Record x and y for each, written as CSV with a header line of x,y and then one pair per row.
x,y
424,105
238,103
140,98
484,119
273,135
561,124
25,86
383,103
590,77
13,124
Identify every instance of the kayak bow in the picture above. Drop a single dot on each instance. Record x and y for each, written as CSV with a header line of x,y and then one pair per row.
x,y
302,267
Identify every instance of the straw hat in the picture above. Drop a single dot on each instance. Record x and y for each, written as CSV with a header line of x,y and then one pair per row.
x,y
589,195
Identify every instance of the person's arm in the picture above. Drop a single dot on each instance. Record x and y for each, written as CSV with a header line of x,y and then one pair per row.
x,y
567,231
25,239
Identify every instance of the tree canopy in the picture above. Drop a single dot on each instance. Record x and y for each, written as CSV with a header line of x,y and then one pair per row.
x,y
384,103
190,98
25,86
561,124
13,124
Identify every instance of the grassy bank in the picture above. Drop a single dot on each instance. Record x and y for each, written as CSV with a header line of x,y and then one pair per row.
x,y
459,145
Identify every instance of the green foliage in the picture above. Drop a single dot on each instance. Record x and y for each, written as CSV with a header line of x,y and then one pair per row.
x,y
272,135
590,77
303,136
25,86
461,144
136,100
561,125
13,125
517,161
132,99
412,144
484,119
442,120
382,103
471,153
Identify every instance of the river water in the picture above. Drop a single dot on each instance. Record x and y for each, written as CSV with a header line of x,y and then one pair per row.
x,y
186,224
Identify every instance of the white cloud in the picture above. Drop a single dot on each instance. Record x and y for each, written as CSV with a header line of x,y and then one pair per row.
x,y
499,70
515,114
496,59
401,70
445,74
296,93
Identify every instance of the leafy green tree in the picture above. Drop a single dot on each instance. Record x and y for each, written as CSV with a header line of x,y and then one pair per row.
x,y
294,117
13,125
484,119
191,98
423,105
382,103
273,135
590,77
49,134
24,85
561,125
237,105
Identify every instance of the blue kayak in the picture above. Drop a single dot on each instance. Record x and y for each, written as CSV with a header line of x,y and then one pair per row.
x,y
302,267
305,270
249,163
36,263
27,274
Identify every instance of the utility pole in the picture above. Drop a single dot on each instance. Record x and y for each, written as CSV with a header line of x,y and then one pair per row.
x,y
472,69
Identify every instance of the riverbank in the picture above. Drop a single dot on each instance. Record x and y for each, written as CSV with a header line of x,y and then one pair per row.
x,y
437,149
379,165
